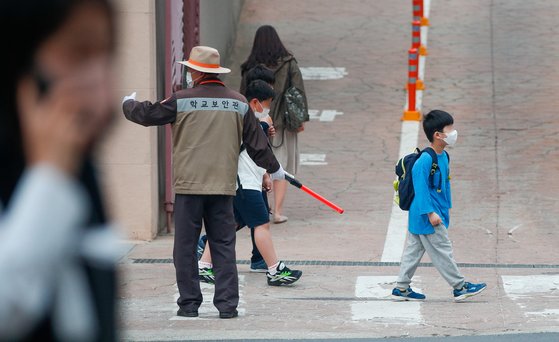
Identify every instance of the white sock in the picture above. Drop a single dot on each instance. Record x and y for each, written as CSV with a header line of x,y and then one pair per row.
x,y
202,264
274,268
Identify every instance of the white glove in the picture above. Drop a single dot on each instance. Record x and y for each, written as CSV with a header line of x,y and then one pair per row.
x,y
279,174
129,97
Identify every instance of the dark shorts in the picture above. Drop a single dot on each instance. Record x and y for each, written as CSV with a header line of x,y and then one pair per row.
x,y
250,209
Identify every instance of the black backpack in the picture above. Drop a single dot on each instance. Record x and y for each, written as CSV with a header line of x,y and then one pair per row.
x,y
404,184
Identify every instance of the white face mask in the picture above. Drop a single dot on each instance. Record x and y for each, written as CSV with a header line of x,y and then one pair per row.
x,y
189,82
451,138
264,113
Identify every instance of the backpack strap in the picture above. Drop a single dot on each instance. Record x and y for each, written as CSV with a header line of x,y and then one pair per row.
x,y
434,167
289,82
448,158
242,148
240,186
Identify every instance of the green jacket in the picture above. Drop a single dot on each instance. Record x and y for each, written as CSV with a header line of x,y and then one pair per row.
x,y
285,66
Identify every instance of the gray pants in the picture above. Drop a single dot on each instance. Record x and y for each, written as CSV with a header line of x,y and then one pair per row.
x,y
439,248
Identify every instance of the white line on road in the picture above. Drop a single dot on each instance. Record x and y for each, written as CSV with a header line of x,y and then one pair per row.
x,y
424,35
329,115
524,286
387,312
326,115
426,8
322,73
514,228
312,159
314,114
421,74
523,289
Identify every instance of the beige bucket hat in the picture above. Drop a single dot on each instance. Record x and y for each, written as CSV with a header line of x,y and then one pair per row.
x,y
205,59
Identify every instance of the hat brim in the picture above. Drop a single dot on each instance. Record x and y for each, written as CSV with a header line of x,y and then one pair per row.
x,y
220,70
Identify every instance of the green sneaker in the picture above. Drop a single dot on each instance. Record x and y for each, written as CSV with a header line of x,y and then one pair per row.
x,y
283,276
206,275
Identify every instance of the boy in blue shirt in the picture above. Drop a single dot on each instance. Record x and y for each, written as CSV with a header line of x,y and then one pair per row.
x,y
429,215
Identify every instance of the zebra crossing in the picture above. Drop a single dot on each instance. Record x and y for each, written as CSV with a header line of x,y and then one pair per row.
x,y
372,301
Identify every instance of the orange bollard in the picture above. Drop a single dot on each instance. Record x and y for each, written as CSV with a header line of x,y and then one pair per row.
x,y
411,113
416,38
416,44
418,12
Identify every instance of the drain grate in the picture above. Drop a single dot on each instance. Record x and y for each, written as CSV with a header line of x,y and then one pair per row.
x,y
362,263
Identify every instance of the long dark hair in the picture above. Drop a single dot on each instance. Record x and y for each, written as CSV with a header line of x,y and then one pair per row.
x,y
267,49
24,26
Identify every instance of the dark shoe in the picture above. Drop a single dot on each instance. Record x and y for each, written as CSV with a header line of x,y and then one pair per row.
x,y
283,276
259,266
183,313
232,314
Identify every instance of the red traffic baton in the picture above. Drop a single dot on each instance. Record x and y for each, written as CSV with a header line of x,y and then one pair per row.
x,y
291,179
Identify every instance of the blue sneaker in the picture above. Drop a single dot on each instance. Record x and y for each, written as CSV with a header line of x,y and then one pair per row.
x,y
399,295
468,290
259,266
201,246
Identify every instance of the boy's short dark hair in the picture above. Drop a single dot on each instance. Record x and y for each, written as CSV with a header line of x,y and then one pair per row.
x,y
259,90
435,121
260,72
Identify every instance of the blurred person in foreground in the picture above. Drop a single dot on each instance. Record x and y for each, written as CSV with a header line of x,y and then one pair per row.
x,y
57,264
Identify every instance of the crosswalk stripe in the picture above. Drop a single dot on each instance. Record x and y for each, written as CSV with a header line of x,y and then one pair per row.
x,y
322,73
387,311
326,115
312,159
522,289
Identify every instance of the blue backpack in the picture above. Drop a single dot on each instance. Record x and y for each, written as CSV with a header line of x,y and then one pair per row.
x,y
404,184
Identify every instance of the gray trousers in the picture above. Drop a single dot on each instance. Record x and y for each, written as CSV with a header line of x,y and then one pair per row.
x,y
217,214
439,248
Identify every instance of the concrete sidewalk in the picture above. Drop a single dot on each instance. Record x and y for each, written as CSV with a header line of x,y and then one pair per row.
x,y
493,64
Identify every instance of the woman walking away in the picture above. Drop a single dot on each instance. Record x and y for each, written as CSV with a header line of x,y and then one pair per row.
x,y
268,50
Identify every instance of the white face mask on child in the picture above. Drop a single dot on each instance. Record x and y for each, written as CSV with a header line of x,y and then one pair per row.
x,y
264,113
451,138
